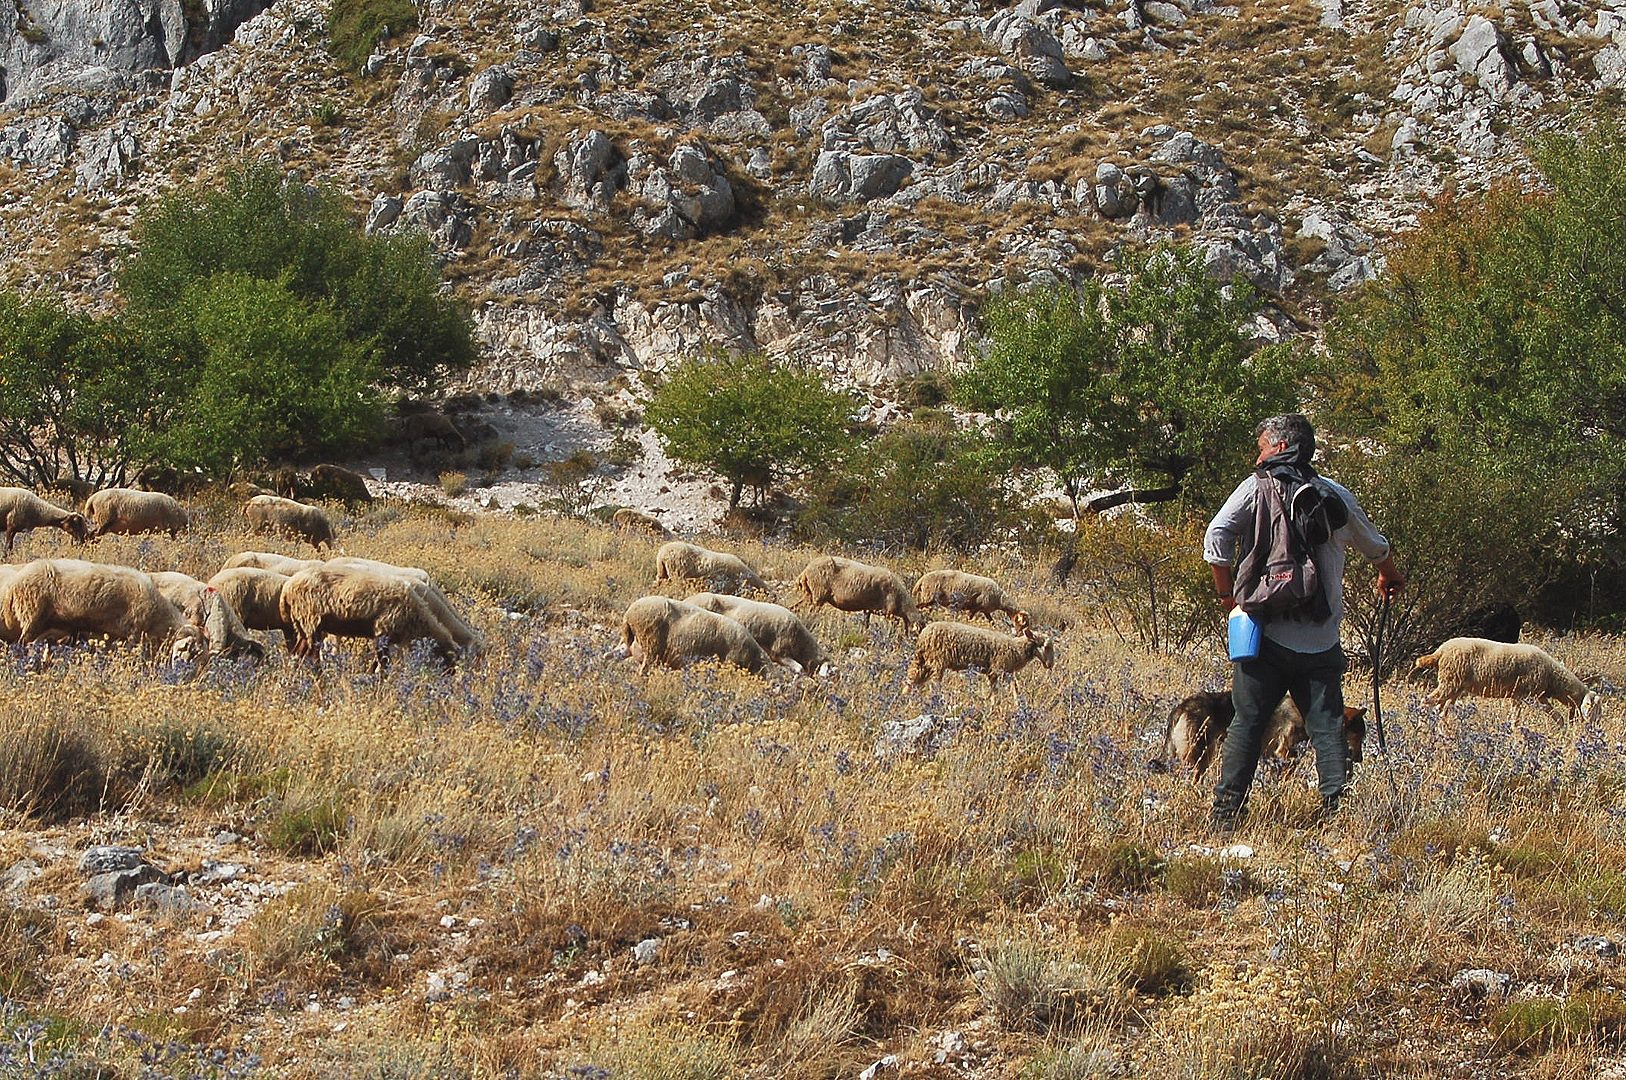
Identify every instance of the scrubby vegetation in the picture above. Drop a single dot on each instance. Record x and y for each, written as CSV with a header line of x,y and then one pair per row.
x,y
547,865
259,324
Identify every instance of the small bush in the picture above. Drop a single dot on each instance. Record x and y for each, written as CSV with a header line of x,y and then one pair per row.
x,y
1526,1027
1202,881
356,27
316,928
52,771
453,483
1129,865
307,826
1150,963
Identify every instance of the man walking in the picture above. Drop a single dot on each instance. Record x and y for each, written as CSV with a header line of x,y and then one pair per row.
x,y
1299,655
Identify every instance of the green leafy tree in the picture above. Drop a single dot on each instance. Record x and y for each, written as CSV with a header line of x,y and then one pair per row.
x,y
921,486
80,397
276,377
1492,352
383,290
750,421
1150,389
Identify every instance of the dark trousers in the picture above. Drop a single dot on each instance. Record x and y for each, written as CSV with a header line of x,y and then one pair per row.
x,y
1316,681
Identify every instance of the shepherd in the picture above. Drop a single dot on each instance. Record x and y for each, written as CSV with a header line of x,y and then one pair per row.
x,y
1276,549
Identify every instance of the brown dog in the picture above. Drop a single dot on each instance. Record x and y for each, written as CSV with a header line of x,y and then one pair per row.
x,y
1197,727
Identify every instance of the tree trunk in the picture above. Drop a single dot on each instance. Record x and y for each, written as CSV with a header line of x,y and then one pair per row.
x,y
1118,498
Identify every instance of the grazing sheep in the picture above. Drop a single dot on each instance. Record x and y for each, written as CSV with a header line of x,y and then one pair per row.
x,y
335,482
68,597
673,633
1197,727
204,606
952,646
350,602
782,635
960,591
1500,669
295,519
127,511
854,586
270,560
468,638
256,596
628,518
680,561
22,510
422,427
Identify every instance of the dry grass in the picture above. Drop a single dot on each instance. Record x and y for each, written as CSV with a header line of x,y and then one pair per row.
x,y
468,857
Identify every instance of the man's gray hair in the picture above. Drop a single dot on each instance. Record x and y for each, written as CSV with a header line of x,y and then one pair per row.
x,y
1294,429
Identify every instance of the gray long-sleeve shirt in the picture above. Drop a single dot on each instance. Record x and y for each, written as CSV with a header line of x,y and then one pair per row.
x,y
1234,524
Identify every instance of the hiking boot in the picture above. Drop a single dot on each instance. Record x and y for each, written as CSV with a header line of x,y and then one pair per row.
x,y
1226,819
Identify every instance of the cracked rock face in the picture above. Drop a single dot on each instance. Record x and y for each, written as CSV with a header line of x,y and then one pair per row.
x,y
47,42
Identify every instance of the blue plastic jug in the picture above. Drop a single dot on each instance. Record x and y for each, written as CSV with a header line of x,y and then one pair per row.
x,y
1243,633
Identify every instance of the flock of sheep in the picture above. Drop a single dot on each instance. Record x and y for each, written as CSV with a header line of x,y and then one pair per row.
x,y
304,599
752,634
308,599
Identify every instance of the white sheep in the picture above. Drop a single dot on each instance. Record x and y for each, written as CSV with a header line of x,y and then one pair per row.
x,y
204,606
350,602
847,585
270,560
256,596
1500,669
128,511
637,520
673,633
468,638
680,561
955,646
782,635
69,597
959,591
22,510
296,519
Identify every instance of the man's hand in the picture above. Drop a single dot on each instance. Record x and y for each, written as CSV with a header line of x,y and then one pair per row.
x,y
1390,580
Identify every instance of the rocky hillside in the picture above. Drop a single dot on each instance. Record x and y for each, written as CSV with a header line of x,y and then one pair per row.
x,y
616,184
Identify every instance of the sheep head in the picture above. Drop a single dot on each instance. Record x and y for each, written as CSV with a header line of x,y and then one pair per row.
x,y
77,527
1042,650
191,646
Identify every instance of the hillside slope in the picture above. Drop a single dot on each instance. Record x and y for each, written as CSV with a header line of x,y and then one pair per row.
x,y
613,186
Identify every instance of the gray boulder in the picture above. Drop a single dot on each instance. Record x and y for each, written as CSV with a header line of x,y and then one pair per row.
x,y
688,196
1482,52
888,123
1032,47
109,157
108,858
110,891
491,89
590,172
44,142
48,40
843,177
384,212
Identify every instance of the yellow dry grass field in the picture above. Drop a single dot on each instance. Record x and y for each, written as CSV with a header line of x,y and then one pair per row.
x,y
542,863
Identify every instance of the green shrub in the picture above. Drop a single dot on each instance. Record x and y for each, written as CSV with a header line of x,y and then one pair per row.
x,y
308,825
749,420
356,27
915,487
1544,1024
